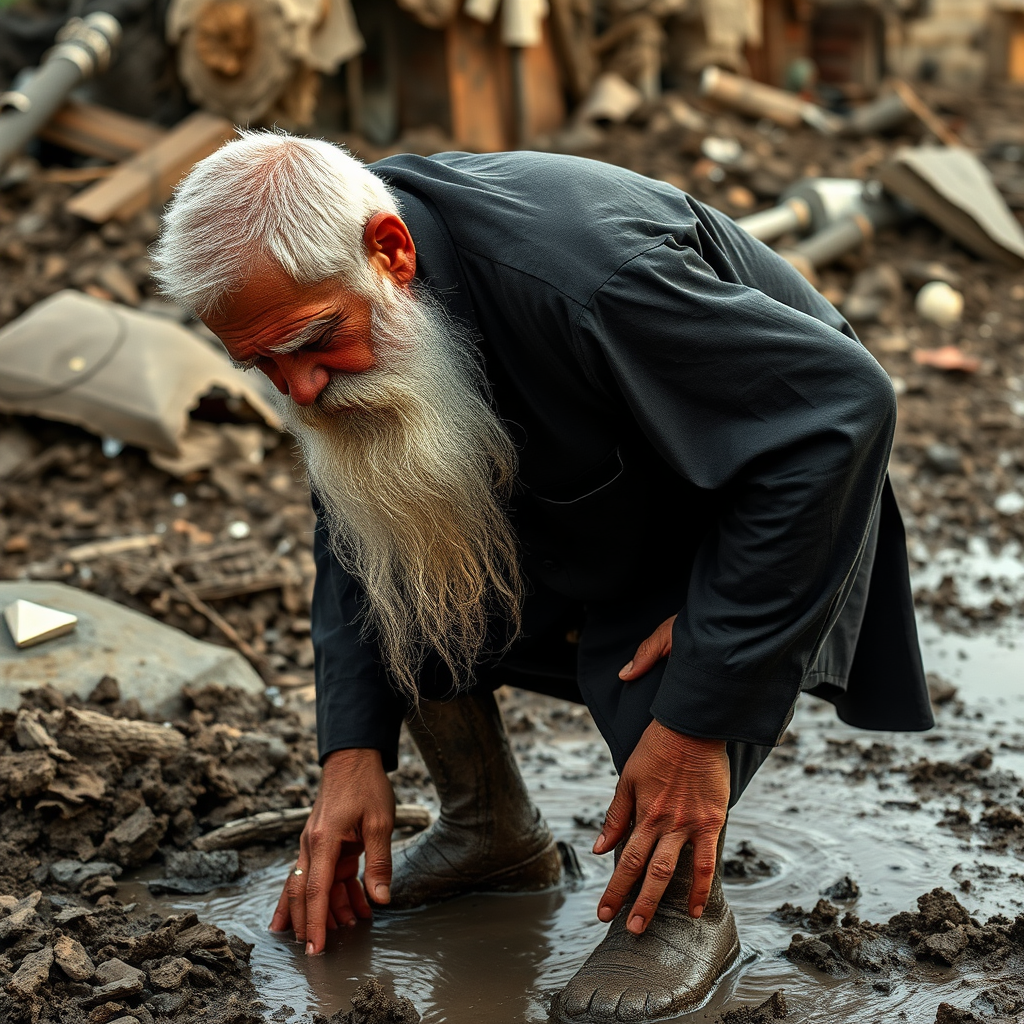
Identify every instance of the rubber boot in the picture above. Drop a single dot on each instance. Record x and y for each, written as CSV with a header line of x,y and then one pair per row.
x,y
489,837
668,970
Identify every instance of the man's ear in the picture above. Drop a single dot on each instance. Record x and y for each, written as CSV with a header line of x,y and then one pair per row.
x,y
390,247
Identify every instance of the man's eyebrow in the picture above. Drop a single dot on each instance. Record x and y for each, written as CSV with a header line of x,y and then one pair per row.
x,y
306,335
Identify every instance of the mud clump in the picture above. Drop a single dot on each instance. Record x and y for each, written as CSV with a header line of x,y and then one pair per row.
x,y
772,1009
371,1004
940,933
88,789
63,961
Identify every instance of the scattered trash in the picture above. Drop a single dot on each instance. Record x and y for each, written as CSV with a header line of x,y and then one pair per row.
x,y
32,623
873,294
114,371
238,530
723,151
940,304
948,357
1009,504
151,661
759,100
954,189
611,99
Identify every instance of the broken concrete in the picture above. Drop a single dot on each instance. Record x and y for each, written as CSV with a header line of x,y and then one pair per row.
x,y
150,661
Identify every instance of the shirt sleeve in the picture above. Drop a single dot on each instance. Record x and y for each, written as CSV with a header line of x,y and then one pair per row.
x,y
788,422
356,704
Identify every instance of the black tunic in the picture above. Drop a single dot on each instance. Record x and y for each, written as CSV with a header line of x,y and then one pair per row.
x,y
699,432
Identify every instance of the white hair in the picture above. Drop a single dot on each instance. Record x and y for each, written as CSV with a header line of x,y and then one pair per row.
x,y
302,203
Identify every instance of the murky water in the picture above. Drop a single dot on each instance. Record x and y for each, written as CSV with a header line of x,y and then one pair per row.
x,y
493,958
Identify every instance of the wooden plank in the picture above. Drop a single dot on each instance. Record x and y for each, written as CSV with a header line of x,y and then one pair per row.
x,y
149,177
481,112
1015,57
92,130
545,103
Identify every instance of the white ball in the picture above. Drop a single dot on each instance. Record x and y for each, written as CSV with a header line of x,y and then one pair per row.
x,y
940,303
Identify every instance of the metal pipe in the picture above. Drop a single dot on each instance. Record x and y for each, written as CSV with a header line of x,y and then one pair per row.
x,y
84,47
792,215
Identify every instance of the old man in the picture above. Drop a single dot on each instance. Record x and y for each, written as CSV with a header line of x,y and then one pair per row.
x,y
565,428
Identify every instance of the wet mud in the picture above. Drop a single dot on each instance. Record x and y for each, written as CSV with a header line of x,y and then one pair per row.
x,y
873,877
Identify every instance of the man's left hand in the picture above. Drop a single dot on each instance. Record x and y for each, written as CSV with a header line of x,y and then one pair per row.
x,y
673,790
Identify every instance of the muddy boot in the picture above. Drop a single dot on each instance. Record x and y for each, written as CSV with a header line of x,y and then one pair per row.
x,y
669,970
489,836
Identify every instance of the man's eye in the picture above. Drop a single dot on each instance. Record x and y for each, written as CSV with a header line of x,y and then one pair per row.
x,y
319,344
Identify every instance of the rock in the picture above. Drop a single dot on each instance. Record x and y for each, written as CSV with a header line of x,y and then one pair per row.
x,y
25,774
371,1004
202,977
20,917
108,642
940,906
946,458
73,873
97,886
33,973
71,957
197,871
136,839
170,972
69,914
167,1004
117,980
107,1012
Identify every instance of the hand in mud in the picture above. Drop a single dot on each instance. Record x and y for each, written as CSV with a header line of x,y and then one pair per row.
x,y
674,790
354,812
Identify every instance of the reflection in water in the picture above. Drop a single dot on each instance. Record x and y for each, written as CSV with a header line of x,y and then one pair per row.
x,y
499,958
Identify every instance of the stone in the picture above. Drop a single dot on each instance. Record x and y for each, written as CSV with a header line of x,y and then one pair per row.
x,y
371,1003
26,773
32,623
197,871
73,873
97,886
167,1004
20,918
71,957
945,947
150,660
170,972
33,973
116,980
135,839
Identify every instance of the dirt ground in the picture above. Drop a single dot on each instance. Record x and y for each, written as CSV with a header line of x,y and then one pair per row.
x,y
79,818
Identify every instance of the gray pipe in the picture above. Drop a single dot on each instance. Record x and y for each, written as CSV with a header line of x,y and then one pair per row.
x,y
84,47
792,215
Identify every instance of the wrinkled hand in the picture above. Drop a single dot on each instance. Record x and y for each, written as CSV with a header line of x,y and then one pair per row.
x,y
673,790
354,812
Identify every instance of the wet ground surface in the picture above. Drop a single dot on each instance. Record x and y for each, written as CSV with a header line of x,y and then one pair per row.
x,y
833,802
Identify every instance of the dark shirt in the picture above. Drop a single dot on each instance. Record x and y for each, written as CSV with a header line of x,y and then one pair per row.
x,y
690,415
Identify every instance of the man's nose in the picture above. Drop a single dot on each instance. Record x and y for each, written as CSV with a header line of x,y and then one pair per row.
x,y
301,380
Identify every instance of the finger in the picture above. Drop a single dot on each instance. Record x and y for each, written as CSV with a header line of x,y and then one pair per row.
x,y
377,874
657,646
705,856
357,898
332,923
618,819
324,848
295,887
660,870
632,863
282,919
341,905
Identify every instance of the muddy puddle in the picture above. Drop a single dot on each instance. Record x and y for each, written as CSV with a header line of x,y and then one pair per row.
x,y
826,806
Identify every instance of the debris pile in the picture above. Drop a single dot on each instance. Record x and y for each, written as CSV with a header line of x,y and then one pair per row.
x,y
61,959
88,789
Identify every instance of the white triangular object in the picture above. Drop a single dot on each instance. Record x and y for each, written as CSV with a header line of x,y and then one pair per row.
x,y
32,623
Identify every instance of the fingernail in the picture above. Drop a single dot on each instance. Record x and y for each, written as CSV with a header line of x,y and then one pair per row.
x,y
351,922
625,670
697,911
599,842
636,924
382,893
309,949
605,914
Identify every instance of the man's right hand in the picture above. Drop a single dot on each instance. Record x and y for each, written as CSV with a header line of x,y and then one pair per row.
x,y
354,812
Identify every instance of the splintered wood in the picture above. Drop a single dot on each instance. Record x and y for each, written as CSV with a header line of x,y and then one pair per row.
x,y
149,177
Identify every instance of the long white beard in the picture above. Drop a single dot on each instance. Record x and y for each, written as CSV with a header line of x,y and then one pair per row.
x,y
411,466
